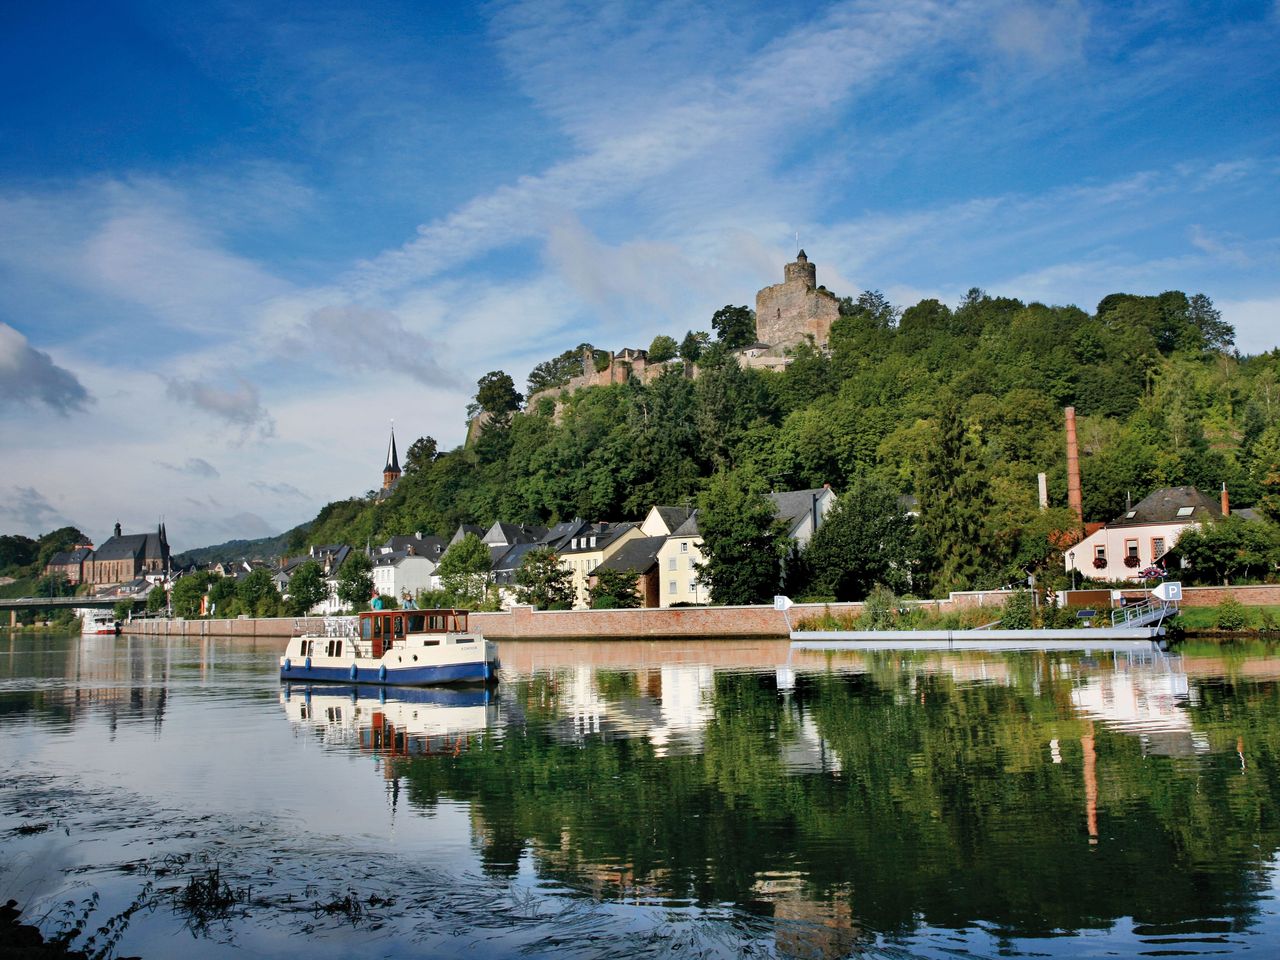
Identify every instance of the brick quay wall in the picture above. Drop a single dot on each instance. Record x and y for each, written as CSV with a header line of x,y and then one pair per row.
x,y
703,623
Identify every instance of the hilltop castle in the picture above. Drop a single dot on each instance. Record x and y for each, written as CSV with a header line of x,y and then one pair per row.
x,y
788,313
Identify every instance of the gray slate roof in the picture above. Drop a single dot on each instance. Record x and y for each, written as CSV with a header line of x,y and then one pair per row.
x,y
604,534
792,506
129,546
429,546
689,528
638,555
1163,506
674,516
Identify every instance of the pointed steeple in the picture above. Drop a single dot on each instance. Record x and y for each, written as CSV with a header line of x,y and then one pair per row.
x,y
391,472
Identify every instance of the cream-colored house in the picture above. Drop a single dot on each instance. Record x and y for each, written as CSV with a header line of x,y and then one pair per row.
x,y
678,580
1142,535
590,547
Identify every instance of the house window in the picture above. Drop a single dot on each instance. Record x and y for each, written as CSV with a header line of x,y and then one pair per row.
x,y
671,563
671,587
1131,548
1100,553
1157,548
684,546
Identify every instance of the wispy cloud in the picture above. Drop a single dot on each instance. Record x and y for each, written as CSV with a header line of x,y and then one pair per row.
x,y
238,404
287,490
29,376
194,467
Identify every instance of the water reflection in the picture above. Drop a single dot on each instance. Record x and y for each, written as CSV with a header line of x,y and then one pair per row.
x,y
391,721
804,804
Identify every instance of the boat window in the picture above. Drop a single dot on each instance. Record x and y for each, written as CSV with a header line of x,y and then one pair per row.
x,y
366,628
399,626
417,622
463,640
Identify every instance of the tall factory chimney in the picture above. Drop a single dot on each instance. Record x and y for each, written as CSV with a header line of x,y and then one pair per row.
x,y
1043,480
1226,502
1074,499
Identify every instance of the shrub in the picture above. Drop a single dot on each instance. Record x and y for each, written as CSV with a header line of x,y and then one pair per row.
x,y
1019,610
880,612
1231,614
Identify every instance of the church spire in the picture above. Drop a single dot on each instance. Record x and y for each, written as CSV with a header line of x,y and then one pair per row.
x,y
391,472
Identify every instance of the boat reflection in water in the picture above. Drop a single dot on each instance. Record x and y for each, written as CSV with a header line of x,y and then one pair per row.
x,y
391,721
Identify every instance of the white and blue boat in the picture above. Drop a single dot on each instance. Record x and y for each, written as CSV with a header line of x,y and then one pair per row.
x,y
407,648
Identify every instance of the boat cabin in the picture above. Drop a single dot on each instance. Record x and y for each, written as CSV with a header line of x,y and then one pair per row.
x,y
387,628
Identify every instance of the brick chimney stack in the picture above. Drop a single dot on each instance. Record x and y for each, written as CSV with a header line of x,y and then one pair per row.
x,y
1226,502
1074,499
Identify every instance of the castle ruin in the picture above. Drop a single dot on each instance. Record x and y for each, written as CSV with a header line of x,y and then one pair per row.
x,y
790,312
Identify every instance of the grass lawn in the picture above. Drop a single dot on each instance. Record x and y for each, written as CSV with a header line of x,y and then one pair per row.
x,y
1206,618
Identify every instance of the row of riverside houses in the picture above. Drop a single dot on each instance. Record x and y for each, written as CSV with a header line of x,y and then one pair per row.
x,y
663,550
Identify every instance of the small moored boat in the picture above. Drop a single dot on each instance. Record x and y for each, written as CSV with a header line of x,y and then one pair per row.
x,y
400,647
95,622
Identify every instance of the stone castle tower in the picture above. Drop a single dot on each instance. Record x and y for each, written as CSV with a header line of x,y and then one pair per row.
x,y
789,312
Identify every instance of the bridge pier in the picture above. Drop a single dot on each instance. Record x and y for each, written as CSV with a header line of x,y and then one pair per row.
x,y
13,619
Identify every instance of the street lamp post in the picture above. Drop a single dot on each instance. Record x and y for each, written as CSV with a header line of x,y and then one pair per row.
x,y
1071,559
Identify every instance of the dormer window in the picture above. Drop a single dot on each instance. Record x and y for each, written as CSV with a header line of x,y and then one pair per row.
x,y
1186,511
1131,514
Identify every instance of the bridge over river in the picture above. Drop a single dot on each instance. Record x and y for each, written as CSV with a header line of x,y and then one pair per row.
x,y
50,603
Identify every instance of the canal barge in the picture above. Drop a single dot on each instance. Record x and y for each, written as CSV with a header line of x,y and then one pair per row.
x,y
392,647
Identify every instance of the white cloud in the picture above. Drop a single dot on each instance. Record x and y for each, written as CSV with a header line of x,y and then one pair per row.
x,y
29,376
1046,35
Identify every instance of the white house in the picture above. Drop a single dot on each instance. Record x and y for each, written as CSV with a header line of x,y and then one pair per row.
x,y
678,580
1143,534
402,575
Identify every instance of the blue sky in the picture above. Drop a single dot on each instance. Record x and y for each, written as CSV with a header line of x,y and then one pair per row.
x,y
236,239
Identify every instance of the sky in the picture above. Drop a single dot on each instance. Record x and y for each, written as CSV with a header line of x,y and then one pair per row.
x,y
238,239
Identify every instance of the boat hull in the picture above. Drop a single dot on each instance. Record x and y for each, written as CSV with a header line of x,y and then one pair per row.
x,y
379,674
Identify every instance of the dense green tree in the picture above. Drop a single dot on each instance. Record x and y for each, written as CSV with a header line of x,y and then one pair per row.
x,y
542,582
867,538
954,505
188,591
464,570
734,326
306,588
16,551
496,395
1229,550
420,454
157,598
56,541
742,539
614,589
257,593
662,349
693,344
355,579
222,596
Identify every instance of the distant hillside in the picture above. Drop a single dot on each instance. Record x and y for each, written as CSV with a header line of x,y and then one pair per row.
x,y
266,548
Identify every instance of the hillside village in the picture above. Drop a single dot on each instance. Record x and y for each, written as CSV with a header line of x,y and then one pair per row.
x,y
704,412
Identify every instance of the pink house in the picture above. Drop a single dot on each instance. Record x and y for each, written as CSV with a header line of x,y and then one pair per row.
x,y
1143,534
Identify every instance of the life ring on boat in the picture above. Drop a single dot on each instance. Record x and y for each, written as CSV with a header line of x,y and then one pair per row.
x,y
308,663
354,672
382,671
287,665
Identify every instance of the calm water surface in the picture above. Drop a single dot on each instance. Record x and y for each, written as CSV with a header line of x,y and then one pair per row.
x,y
645,799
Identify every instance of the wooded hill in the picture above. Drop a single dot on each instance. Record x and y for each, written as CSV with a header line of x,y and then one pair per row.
x,y
1161,397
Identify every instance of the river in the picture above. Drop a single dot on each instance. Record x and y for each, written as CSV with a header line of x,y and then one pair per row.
x,y
643,798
